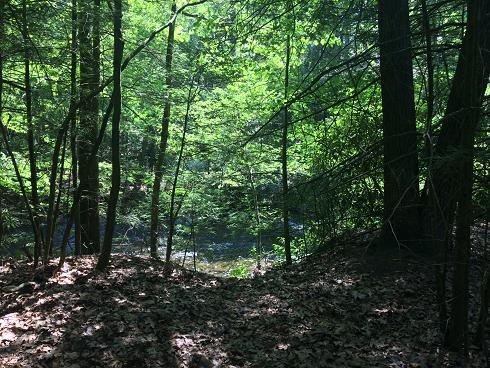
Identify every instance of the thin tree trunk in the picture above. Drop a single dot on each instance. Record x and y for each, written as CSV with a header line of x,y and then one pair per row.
x,y
86,98
30,133
185,252
3,129
155,196
30,212
52,200
173,214
284,160
50,218
116,154
194,245
430,79
400,217
483,315
2,3
73,124
303,224
60,192
2,228
258,222
457,333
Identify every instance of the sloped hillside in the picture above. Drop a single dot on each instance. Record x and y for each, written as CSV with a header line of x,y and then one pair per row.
x,y
324,312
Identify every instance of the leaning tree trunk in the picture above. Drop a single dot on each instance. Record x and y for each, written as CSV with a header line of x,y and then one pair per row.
x,y
23,190
173,212
443,185
440,201
400,216
60,192
4,136
155,196
473,84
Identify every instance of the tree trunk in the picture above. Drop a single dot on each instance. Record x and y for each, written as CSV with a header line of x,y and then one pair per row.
x,y
2,229
89,111
483,315
173,213
80,188
444,178
67,120
23,190
284,160
30,133
457,333
3,131
73,124
258,222
400,216
60,192
116,154
2,3
155,196
430,80
440,201
469,116
194,244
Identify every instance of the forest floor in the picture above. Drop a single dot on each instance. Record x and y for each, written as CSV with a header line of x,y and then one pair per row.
x,y
327,311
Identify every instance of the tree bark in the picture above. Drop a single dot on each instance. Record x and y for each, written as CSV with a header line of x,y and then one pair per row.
x,y
116,153
30,133
73,124
473,86
89,110
401,226
430,80
155,196
80,188
2,3
440,201
284,160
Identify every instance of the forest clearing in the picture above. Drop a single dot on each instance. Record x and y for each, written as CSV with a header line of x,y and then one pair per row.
x,y
244,183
